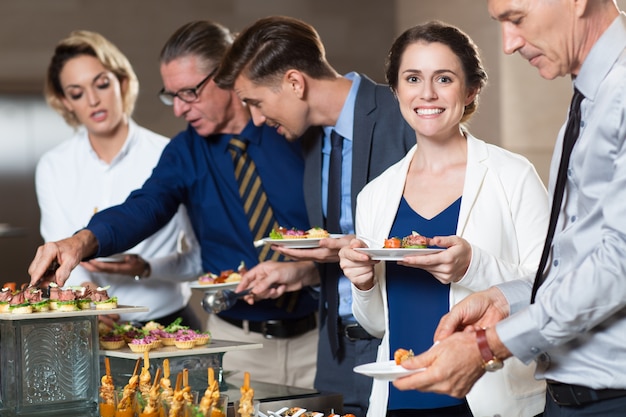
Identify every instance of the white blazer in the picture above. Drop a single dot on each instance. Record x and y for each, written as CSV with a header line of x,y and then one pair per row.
x,y
504,215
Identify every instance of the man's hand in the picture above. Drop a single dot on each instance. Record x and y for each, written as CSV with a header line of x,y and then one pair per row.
x,y
481,309
447,266
358,267
328,250
67,253
451,367
133,265
272,279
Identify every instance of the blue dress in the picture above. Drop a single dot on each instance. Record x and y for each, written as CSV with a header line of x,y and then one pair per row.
x,y
416,301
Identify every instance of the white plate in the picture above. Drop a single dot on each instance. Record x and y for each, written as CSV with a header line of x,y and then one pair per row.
x,y
306,243
387,371
396,254
113,258
213,287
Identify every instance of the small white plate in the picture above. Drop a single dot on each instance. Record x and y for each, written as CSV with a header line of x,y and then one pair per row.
x,y
113,258
387,371
213,287
306,243
396,254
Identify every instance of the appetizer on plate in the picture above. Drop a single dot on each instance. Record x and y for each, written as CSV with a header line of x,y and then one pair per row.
x,y
412,241
227,276
400,355
293,233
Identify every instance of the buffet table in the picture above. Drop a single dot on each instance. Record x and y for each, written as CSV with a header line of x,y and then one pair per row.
x,y
50,365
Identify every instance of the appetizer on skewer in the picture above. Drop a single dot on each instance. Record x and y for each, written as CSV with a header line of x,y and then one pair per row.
x,y
246,402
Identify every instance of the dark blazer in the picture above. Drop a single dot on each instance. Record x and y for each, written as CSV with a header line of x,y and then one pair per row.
x,y
381,138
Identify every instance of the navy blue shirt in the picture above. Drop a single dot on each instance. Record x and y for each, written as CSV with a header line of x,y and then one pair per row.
x,y
417,300
198,172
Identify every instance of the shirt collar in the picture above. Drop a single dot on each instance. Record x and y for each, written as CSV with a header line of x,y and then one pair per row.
x,y
345,121
602,57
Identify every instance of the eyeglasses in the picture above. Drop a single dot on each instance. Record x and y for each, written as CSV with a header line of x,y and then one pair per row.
x,y
188,95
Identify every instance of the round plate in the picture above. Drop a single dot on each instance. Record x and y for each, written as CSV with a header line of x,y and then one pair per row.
x,y
113,258
387,371
306,243
213,287
396,254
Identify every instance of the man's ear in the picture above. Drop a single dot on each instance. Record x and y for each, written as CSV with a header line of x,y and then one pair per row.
x,y
295,82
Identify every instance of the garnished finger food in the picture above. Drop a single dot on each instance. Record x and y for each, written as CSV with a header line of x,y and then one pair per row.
x,y
125,404
212,393
400,355
152,408
246,402
412,241
107,392
101,299
226,276
294,233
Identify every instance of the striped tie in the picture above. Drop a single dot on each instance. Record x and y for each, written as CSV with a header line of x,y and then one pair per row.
x,y
258,210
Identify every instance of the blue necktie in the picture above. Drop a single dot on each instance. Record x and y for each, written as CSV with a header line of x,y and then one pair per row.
x,y
333,214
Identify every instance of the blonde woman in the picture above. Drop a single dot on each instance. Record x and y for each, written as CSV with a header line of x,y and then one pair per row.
x,y
92,85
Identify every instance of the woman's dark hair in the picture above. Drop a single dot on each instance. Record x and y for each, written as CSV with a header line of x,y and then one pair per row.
x,y
269,47
455,39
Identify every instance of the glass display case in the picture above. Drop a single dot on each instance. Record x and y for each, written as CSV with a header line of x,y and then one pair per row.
x,y
49,362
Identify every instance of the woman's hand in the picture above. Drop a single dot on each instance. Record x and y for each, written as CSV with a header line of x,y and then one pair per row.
x,y
447,266
133,265
357,266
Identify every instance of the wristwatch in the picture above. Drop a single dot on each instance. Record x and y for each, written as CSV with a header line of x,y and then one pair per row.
x,y
491,363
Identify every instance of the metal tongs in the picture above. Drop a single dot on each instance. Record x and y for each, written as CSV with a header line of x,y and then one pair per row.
x,y
220,300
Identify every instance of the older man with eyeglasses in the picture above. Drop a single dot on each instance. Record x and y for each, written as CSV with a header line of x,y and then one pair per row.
x,y
197,169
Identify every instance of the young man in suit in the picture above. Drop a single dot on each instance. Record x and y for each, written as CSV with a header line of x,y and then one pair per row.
x,y
277,66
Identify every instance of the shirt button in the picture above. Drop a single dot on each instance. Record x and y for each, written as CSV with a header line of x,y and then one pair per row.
x,y
556,262
573,218
534,350
569,172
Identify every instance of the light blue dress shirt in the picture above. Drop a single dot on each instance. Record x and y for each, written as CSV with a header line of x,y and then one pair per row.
x,y
345,127
576,329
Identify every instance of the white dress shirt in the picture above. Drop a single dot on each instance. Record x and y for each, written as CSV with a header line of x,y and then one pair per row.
x,y
72,183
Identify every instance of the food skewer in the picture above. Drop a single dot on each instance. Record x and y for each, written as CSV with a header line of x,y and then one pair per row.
x,y
212,393
166,385
145,377
107,392
246,402
130,390
178,400
152,400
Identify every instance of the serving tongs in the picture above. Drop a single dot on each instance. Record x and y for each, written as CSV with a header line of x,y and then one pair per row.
x,y
220,300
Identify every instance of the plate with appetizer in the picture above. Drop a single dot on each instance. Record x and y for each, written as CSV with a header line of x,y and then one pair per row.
x,y
395,248
226,280
298,239
387,371
396,254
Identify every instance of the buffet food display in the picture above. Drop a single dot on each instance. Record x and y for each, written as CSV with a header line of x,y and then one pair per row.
x,y
54,349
